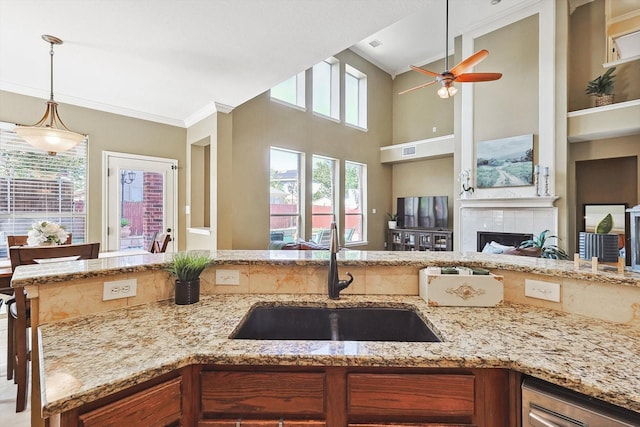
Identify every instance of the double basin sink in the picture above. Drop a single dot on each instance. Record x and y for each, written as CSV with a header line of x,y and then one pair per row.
x,y
335,324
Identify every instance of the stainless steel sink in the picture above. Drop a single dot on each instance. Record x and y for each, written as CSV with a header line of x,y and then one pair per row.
x,y
337,324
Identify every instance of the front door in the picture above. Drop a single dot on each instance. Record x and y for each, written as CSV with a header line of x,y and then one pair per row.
x,y
140,201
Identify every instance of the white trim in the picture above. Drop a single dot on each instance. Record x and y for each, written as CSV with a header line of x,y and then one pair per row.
x,y
595,110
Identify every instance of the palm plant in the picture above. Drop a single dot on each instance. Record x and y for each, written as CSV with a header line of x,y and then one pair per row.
x,y
539,244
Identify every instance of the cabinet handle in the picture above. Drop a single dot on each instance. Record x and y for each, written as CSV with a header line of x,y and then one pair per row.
x,y
536,420
281,423
238,422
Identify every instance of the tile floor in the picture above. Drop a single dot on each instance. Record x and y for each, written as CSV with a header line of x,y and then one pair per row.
x,y
8,415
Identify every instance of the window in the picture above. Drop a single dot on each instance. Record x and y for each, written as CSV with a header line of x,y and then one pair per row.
x,y
323,199
36,186
326,88
355,205
355,97
290,91
285,195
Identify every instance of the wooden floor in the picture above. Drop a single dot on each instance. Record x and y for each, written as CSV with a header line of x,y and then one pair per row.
x,y
8,415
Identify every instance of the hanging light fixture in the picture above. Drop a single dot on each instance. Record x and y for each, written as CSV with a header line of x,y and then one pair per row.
x,y
50,133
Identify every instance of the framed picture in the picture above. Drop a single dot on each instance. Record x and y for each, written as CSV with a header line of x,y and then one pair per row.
x,y
505,162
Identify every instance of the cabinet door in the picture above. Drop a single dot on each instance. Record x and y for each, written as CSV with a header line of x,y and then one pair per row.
x,y
158,406
405,396
259,393
425,241
409,240
395,240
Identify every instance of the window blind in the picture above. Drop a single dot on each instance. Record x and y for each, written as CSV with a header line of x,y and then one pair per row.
x,y
35,186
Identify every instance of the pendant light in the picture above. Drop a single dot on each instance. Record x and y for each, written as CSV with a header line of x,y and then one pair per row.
x,y
50,133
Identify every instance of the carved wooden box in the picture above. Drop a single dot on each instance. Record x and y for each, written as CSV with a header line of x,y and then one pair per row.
x,y
461,290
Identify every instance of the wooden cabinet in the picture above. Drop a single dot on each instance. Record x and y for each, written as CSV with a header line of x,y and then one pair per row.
x,y
400,239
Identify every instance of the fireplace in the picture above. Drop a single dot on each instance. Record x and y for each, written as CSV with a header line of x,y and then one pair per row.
x,y
507,239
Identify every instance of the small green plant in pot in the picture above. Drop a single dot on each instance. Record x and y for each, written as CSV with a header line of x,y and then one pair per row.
x,y
186,267
601,244
538,247
602,88
392,220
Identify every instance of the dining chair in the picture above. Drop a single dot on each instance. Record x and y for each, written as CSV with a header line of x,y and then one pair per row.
x,y
159,243
19,312
16,240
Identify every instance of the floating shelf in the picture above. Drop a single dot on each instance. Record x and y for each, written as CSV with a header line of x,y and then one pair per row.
x,y
432,148
609,121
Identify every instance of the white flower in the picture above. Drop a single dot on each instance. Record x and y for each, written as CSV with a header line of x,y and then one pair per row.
x,y
45,231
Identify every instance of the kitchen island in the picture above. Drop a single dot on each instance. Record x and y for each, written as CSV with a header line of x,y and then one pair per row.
x,y
87,356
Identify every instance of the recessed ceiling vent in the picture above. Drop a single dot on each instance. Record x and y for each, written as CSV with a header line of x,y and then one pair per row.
x,y
409,151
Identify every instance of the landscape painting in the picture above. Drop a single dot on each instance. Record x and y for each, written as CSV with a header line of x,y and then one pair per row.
x,y
505,162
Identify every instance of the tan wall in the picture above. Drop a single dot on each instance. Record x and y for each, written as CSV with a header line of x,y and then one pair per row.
x,y
509,106
261,123
426,178
107,132
416,113
587,38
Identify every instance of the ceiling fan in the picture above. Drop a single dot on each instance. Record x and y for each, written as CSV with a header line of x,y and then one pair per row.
x,y
457,73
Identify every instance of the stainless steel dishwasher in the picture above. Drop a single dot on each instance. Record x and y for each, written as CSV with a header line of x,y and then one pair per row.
x,y
548,405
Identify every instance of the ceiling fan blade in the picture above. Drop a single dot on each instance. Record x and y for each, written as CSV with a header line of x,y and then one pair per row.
x,y
417,87
470,62
477,77
423,71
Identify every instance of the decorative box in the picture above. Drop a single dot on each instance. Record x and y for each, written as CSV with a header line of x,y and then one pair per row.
x,y
460,290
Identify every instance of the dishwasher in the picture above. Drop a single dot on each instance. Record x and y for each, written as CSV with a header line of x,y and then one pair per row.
x,y
548,405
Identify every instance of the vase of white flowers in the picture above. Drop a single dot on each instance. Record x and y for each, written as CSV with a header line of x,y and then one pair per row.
x,y
46,233
465,181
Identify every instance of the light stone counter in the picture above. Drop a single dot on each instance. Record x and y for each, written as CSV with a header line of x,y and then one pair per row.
x,y
93,356
64,271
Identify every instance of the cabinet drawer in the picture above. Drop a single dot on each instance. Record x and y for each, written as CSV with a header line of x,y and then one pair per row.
x,y
410,395
260,423
159,405
278,393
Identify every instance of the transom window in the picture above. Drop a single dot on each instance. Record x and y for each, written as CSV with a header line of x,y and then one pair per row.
x,y
291,91
355,97
326,88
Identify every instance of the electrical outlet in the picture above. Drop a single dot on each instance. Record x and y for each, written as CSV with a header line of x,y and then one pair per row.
x,y
542,290
119,289
227,277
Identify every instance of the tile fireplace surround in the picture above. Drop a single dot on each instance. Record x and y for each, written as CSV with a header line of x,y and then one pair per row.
x,y
506,215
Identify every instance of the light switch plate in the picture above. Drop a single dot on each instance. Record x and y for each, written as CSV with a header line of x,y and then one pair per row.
x,y
227,277
119,289
548,291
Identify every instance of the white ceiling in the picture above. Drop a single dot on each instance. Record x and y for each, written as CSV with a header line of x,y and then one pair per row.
x,y
170,61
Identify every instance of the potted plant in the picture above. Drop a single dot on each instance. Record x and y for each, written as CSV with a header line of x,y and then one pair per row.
x,y
392,220
46,233
125,229
602,243
538,247
602,88
186,268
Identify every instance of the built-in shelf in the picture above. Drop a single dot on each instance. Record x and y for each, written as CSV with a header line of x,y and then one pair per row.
x,y
432,148
609,121
509,202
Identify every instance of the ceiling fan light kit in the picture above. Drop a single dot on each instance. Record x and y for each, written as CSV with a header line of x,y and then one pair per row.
x,y
457,73
50,133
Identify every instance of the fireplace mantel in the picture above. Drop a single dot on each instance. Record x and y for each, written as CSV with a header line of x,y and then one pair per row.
x,y
509,202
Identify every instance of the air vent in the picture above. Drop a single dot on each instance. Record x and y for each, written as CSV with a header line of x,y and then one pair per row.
x,y
409,151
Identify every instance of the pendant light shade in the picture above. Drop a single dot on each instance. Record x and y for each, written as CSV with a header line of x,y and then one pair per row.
x,y
50,134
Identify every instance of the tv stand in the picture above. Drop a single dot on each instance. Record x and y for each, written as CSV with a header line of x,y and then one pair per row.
x,y
419,239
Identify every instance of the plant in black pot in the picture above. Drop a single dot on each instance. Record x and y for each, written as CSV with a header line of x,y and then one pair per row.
x,y
602,243
186,267
539,247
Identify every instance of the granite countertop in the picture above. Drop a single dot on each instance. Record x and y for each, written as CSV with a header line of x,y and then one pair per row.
x,y
94,356
63,271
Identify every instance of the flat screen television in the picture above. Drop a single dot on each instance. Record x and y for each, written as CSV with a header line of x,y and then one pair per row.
x,y
423,212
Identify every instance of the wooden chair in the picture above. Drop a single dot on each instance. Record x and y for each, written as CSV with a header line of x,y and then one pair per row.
x,y
159,243
15,240
19,312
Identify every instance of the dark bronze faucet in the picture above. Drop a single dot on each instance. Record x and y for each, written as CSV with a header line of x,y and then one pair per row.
x,y
335,284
